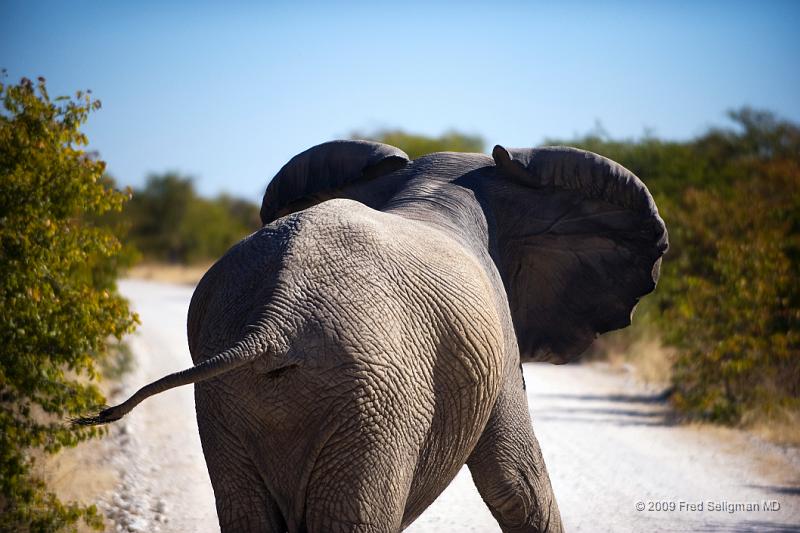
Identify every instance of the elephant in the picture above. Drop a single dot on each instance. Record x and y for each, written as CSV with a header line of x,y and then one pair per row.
x,y
367,342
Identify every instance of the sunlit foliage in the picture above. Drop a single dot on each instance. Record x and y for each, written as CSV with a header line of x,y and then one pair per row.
x,y
167,221
418,145
729,296
735,310
58,302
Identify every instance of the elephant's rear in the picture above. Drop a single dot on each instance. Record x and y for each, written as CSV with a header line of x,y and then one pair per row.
x,y
392,364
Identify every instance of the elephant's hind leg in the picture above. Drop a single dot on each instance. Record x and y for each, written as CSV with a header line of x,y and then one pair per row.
x,y
243,501
508,469
360,480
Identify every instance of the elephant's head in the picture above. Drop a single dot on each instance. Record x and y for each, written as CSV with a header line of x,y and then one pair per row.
x,y
576,238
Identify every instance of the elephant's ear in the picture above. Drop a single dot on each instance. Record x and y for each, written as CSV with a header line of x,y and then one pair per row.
x,y
579,241
327,171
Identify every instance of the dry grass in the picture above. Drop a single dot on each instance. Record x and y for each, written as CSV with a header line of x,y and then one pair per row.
x,y
181,274
85,473
649,359
782,427
652,363
81,474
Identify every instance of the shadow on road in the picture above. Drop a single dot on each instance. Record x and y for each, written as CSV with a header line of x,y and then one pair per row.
x,y
789,491
661,397
749,526
616,409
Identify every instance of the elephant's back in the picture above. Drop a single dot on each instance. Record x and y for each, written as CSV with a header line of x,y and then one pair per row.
x,y
360,266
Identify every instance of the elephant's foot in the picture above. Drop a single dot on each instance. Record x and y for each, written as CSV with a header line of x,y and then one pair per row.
x,y
509,472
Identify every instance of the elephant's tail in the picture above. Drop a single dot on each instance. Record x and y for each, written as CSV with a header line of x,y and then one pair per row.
x,y
241,353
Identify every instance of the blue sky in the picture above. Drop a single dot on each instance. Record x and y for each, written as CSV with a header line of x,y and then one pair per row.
x,y
227,92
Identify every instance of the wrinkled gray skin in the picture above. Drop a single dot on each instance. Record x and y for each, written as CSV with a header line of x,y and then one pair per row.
x,y
362,346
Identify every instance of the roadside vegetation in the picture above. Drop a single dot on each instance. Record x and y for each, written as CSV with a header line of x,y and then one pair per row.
x,y
168,222
728,303
61,315
415,145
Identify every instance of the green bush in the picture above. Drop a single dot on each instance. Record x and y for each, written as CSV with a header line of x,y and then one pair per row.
x,y
168,222
418,145
734,298
58,298
729,298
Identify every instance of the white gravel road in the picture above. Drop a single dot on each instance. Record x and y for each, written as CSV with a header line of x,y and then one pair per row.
x,y
606,440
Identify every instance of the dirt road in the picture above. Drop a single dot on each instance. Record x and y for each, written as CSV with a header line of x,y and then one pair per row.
x,y
606,440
